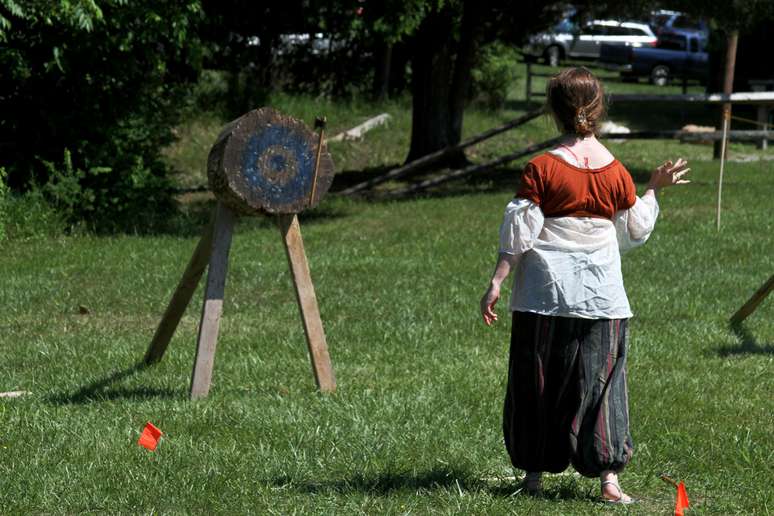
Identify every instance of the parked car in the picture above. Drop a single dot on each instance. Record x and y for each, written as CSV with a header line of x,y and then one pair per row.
x,y
675,21
567,40
677,55
318,44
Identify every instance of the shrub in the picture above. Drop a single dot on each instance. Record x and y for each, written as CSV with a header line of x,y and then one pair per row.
x,y
494,75
89,101
27,215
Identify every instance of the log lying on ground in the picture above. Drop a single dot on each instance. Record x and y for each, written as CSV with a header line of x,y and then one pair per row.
x,y
456,174
441,154
357,132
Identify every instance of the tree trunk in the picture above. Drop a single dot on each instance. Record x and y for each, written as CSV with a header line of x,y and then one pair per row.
x,y
728,86
381,85
440,79
431,69
466,59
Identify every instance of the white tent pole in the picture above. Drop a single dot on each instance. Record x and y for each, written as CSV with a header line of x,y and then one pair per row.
x,y
726,116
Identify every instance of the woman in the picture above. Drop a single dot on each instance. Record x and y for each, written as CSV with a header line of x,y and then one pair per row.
x,y
562,235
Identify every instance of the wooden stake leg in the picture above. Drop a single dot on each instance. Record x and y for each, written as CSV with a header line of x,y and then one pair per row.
x,y
756,299
181,298
307,303
213,302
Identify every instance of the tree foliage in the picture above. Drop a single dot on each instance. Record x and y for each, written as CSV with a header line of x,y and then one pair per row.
x,y
91,93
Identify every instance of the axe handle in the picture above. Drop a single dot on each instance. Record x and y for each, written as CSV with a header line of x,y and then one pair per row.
x,y
321,124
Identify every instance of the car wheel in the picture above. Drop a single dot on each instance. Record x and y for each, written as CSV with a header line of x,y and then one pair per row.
x,y
553,55
660,75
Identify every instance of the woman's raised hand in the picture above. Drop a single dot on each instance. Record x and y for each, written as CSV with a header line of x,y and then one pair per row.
x,y
669,174
487,304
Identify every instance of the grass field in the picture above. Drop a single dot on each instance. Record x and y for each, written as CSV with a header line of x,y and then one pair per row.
x,y
414,427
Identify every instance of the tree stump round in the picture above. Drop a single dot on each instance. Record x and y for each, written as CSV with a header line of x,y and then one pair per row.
x,y
264,162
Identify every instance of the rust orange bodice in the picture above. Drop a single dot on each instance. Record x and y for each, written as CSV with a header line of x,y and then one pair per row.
x,y
564,190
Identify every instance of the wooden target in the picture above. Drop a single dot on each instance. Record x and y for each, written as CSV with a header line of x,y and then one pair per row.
x,y
264,161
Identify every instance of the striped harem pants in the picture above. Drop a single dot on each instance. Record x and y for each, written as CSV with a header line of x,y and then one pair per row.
x,y
567,399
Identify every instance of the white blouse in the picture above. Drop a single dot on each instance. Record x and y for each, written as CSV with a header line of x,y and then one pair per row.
x,y
571,266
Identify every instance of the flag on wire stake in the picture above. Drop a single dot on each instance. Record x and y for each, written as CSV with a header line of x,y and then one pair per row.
x,y
149,438
681,501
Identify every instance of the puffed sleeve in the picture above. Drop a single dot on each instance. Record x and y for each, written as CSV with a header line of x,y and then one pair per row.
x,y
522,223
627,192
634,226
532,186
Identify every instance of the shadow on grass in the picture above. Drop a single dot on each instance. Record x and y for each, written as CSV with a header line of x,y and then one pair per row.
x,y
346,178
641,116
497,179
748,344
435,479
383,484
103,390
194,210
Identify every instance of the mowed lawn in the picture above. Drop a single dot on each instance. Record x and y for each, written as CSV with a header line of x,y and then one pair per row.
x,y
414,426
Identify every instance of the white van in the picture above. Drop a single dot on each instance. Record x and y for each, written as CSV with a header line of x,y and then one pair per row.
x,y
566,40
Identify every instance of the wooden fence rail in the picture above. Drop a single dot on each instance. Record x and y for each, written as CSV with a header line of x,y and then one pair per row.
x,y
443,153
691,136
743,97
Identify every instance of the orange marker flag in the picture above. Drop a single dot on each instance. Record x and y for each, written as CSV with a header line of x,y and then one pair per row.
x,y
682,496
682,499
149,438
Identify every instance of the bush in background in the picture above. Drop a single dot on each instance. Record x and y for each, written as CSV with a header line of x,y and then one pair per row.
x,y
494,75
91,91
28,215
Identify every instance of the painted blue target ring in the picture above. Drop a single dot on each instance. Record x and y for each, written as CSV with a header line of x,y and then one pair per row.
x,y
279,162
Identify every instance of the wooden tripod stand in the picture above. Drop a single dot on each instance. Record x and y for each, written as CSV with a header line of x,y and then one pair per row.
x,y
212,253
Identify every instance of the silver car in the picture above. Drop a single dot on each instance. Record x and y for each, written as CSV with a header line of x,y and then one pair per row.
x,y
567,41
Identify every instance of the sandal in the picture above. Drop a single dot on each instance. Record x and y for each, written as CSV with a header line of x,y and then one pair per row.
x,y
620,499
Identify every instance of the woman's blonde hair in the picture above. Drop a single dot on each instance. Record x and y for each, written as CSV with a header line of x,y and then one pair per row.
x,y
576,100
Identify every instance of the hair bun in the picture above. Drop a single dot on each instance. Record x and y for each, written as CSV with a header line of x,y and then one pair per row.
x,y
576,100
581,122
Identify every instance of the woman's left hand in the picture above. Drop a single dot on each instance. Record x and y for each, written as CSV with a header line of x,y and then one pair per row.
x,y
669,174
488,302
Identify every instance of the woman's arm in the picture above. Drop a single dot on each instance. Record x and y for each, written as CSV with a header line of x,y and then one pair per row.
x,y
505,264
634,225
522,223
